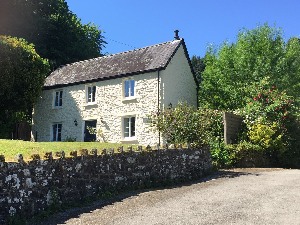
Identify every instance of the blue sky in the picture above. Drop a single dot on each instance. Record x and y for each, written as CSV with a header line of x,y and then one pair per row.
x,y
130,24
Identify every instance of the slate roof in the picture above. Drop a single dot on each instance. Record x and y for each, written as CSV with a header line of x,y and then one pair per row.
x,y
128,63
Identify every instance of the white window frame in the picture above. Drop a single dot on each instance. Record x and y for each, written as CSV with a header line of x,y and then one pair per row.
x,y
58,132
131,84
58,98
90,94
128,124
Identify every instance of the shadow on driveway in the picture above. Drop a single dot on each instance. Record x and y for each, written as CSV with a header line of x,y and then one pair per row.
x,y
62,217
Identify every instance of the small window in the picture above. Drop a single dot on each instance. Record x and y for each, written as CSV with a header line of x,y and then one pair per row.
x,y
129,88
129,127
58,98
56,132
91,94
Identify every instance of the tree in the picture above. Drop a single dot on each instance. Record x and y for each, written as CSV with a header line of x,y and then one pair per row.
x,y
198,66
22,77
56,32
233,71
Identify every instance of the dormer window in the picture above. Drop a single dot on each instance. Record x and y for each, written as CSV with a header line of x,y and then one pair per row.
x,y
129,88
58,95
91,94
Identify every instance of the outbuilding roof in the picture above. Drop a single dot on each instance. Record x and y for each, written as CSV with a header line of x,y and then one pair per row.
x,y
123,64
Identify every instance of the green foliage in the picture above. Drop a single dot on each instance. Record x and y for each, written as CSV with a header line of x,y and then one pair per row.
x,y
57,33
184,124
232,72
198,66
22,77
221,156
265,135
245,154
270,118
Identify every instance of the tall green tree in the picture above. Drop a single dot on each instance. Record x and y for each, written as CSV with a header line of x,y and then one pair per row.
x,y
22,76
57,33
233,71
198,66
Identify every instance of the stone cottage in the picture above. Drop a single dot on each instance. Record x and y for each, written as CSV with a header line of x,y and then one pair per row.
x,y
110,98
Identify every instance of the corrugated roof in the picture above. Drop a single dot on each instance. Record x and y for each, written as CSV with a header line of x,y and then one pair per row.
x,y
117,65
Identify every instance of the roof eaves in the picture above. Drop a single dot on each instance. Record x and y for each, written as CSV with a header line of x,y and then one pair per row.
x,y
102,78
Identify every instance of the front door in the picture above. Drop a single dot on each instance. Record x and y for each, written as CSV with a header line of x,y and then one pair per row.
x,y
90,130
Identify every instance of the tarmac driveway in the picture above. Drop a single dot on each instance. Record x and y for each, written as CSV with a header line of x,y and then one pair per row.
x,y
240,196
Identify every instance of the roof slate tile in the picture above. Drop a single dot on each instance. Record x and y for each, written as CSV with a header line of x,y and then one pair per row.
x,y
117,65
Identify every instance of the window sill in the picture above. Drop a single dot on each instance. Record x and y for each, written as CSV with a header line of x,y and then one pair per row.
x,y
57,107
127,99
132,140
91,104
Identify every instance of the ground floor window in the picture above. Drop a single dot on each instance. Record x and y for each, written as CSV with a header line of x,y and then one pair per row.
x,y
56,132
129,127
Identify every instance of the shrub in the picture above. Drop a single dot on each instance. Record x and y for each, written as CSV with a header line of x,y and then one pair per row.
x,y
245,154
185,124
265,135
221,156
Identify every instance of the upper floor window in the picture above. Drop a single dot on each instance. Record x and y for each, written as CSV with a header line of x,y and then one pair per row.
x,y
129,88
91,94
56,132
58,98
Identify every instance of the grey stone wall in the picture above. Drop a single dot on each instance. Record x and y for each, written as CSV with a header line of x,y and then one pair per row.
x,y
27,189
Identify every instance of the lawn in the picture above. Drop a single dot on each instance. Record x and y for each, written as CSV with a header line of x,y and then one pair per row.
x,y
11,148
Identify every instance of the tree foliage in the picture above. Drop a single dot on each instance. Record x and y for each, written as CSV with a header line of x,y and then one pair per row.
x,y
232,72
22,76
56,32
198,66
271,123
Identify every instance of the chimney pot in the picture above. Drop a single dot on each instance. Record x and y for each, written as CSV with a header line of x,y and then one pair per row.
x,y
176,35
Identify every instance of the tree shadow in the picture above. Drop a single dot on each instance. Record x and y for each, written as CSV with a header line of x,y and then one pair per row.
x,y
76,212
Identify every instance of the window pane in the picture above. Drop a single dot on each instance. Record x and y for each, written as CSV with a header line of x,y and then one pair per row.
x,y
132,126
59,127
126,89
54,132
56,99
93,93
131,87
126,127
60,98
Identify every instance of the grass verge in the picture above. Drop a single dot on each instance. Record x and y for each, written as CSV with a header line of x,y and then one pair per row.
x,y
11,148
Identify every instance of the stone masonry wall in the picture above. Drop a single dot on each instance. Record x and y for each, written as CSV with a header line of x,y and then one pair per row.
x,y
27,189
108,109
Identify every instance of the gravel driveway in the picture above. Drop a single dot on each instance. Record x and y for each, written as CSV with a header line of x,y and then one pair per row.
x,y
240,196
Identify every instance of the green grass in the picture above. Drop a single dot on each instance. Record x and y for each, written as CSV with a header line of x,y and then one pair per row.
x,y
11,148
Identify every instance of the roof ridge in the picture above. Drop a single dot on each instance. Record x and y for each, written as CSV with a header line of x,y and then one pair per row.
x,y
114,54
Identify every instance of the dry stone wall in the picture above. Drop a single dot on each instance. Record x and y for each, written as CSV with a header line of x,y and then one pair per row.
x,y
27,189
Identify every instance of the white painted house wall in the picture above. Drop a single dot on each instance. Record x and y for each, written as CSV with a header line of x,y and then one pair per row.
x,y
177,82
